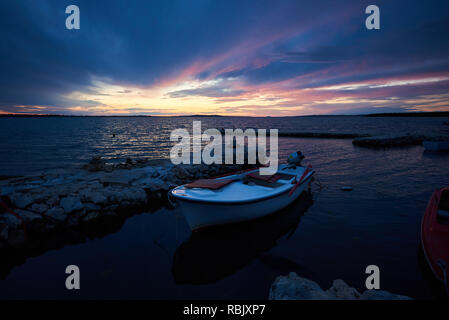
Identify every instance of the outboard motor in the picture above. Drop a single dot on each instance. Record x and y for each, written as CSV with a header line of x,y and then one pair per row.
x,y
295,158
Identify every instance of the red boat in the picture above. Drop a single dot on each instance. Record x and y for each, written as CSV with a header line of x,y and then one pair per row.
x,y
435,235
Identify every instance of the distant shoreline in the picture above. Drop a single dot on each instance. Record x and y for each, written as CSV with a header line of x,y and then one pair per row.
x,y
439,114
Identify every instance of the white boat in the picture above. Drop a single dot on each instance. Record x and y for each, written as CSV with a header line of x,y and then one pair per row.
x,y
242,199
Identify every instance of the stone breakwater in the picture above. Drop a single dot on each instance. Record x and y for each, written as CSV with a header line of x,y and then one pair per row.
x,y
322,135
369,141
396,141
294,287
43,205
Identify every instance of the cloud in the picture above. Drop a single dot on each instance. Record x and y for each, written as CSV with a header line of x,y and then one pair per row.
x,y
278,52
206,92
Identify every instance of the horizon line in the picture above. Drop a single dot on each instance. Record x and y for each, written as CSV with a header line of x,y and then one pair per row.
x,y
403,114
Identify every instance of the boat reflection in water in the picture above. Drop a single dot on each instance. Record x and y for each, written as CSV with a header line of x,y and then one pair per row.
x,y
215,253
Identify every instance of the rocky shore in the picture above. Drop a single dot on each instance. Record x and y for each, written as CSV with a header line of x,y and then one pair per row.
x,y
294,287
36,208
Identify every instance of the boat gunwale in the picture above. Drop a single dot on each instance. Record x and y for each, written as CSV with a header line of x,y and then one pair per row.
x,y
424,243
240,202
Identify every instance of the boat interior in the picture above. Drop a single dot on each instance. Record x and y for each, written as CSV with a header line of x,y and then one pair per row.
x,y
242,187
267,181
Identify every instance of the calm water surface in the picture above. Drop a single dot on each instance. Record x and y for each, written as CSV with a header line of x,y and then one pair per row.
x,y
155,256
30,145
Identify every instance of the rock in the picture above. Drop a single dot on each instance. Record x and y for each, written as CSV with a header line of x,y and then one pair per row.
x,y
21,200
28,216
12,221
91,216
56,214
180,173
191,171
134,195
144,183
149,172
9,224
171,180
39,208
6,190
65,190
4,231
54,182
117,195
294,287
95,164
94,196
341,291
91,207
382,295
203,168
113,194
155,174
116,179
71,204
95,184
157,185
36,182
34,222
39,195
142,161
52,201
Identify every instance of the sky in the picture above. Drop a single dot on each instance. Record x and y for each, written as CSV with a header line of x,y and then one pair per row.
x,y
244,57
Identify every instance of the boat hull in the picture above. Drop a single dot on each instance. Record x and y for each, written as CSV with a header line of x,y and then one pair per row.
x,y
201,215
435,237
